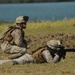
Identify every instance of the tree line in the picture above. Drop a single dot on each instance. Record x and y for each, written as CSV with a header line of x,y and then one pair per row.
x,y
32,1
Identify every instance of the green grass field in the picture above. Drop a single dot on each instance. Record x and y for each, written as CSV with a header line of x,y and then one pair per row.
x,y
39,31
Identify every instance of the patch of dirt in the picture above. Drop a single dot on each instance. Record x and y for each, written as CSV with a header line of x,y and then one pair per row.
x,y
68,40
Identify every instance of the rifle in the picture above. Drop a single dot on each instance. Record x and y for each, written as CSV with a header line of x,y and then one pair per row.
x,y
61,52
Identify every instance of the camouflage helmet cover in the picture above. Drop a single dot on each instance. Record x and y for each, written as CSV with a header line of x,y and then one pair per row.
x,y
53,44
21,19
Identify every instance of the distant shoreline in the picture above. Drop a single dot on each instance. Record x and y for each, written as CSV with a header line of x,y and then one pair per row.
x,y
40,20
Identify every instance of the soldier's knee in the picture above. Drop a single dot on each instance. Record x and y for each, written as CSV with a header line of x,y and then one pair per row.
x,y
4,46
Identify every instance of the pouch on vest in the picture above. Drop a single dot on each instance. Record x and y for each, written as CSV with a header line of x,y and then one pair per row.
x,y
5,35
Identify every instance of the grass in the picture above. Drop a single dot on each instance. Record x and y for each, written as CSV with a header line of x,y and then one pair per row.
x,y
38,30
65,67
46,26
51,26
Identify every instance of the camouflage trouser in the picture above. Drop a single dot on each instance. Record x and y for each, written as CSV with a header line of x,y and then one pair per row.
x,y
49,58
15,51
26,58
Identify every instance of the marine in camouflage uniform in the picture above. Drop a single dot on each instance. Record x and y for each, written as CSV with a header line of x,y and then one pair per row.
x,y
18,47
53,52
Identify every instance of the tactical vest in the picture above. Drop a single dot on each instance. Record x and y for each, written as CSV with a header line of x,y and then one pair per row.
x,y
7,34
38,58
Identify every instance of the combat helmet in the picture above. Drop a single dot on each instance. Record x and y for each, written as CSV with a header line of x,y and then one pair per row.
x,y
54,44
22,19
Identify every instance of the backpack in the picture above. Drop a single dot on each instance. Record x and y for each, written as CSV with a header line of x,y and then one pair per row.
x,y
6,34
37,55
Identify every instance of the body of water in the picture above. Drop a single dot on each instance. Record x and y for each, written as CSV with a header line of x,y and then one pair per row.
x,y
38,11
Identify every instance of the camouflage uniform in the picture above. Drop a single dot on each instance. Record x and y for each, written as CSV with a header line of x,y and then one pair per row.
x,y
53,51
18,47
50,53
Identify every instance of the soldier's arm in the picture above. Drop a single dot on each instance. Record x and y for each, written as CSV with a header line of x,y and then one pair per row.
x,y
18,38
47,56
56,59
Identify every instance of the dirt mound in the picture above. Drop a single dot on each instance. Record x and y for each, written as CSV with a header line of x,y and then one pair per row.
x,y
68,40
